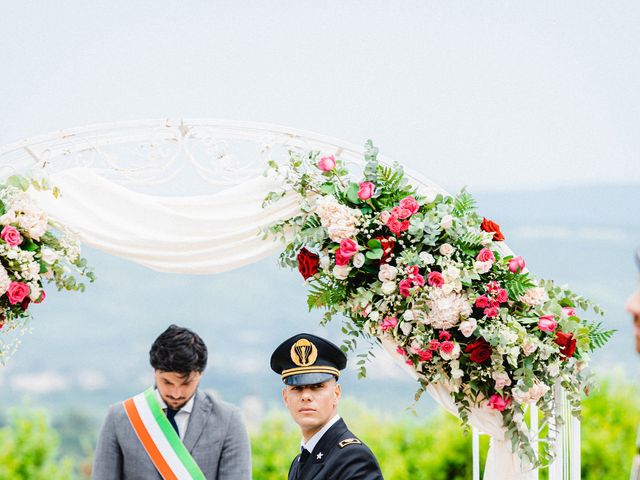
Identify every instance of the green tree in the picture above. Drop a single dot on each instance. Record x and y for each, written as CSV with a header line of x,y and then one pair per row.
x,y
29,450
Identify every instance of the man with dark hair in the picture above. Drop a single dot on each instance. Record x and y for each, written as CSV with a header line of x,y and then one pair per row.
x,y
174,430
309,367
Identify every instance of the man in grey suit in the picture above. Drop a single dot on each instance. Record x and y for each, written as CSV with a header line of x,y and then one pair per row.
x,y
211,430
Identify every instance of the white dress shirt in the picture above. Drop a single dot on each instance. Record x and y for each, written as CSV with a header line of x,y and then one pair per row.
x,y
182,417
313,441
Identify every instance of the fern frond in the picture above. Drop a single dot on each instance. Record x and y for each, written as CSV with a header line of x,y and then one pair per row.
x,y
598,336
463,204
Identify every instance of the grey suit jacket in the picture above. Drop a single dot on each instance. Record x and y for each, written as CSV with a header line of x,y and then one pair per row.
x,y
216,438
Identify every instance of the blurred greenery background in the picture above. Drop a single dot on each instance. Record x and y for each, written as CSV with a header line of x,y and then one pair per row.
x,y
435,448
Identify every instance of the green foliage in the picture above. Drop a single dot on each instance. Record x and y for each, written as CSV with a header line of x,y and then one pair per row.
x,y
464,204
29,450
598,336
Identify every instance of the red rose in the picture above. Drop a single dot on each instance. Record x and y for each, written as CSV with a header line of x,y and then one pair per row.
x,y
387,244
307,263
25,303
479,351
567,342
489,226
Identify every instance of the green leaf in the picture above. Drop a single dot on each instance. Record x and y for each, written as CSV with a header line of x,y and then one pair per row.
x,y
18,181
375,254
328,188
374,244
29,245
352,193
3,209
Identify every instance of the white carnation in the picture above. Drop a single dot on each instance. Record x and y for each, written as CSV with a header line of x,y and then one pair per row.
x,y
468,327
388,287
482,267
358,260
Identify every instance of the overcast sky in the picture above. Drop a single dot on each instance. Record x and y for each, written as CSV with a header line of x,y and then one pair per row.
x,y
494,95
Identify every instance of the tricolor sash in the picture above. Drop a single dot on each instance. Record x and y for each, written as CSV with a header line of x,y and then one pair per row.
x,y
159,439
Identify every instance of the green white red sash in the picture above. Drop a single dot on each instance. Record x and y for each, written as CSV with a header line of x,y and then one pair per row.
x,y
159,439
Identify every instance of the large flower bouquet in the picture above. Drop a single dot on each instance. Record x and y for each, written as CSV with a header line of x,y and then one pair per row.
x,y
427,272
32,248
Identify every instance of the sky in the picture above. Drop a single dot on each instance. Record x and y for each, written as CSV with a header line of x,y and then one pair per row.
x,y
496,95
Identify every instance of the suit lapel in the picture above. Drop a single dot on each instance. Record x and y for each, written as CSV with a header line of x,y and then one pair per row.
x,y
315,462
198,419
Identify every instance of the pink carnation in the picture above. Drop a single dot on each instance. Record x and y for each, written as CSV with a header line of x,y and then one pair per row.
x,y
400,213
491,312
444,335
434,344
424,355
405,287
482,301
493,286
502,296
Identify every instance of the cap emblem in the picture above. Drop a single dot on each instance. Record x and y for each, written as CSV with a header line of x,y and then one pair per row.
x,y
304,353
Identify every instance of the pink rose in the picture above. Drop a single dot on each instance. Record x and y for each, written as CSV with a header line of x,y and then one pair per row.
x,y
405,287
394,225
348,247
446,347
502,296
516,264
547,323
385,217
434,344
341,259
11,235
444,336
389,323
499,403
410,204
491,312
326,164
365,190
17,291
486,255
435,279
569,311
418,280
482,301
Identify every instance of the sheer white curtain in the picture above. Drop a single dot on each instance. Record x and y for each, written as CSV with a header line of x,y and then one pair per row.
x,y
209,234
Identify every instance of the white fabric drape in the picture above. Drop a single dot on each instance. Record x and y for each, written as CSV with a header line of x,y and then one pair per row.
x,y
209,234
201,234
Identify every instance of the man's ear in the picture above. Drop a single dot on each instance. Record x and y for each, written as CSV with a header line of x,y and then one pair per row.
x,y
284,396
337,392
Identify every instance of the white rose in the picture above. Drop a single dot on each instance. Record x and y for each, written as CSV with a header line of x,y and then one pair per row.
x,y
358,260
446,222
341,272
406,328
426,258
429,194
502,379
374,316
554,369
482,267
468,327
528,347
408,315
451,273
387,273
4,280
50,256
388,288
446,249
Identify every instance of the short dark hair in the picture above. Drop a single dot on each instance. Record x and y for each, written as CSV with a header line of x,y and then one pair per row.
x,y
179,350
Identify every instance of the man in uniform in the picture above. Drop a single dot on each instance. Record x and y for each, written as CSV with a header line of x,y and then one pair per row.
x,y
310,367
174,430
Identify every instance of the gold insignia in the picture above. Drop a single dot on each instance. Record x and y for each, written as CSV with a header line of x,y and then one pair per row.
x,y
349,441
304,353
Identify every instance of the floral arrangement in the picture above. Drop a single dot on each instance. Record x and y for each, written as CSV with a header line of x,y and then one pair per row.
x,y
32,248
427,272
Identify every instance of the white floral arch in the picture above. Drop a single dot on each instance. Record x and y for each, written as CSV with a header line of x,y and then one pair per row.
x,y
109,175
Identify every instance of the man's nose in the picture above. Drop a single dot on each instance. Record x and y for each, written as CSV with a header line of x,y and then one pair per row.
x,y
633,303
306,394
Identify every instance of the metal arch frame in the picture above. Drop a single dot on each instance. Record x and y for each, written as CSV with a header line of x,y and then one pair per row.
x,y
41,151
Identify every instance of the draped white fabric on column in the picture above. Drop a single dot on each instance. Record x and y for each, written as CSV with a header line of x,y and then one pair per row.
x,y
209,234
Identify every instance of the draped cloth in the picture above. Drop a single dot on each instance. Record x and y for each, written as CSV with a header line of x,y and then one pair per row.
x,y
207,234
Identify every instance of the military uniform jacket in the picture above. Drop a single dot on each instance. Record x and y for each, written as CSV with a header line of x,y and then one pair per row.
x,y
339,455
